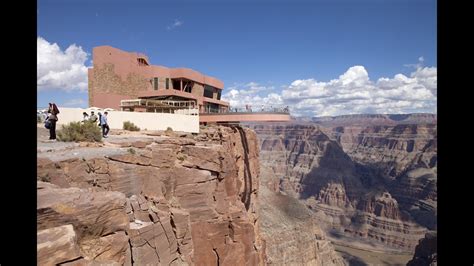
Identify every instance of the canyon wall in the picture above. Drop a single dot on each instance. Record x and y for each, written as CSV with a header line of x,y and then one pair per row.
x,y
426,252
404,154
355,178
182,200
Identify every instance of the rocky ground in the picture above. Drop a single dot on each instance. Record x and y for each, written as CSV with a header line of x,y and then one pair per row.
x,y
150,198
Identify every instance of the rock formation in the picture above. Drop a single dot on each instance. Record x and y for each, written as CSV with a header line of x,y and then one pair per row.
x,y
426,252
292,235
406,154
356,179
189,200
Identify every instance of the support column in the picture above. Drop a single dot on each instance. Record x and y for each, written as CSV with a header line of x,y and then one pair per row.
x,y
181,88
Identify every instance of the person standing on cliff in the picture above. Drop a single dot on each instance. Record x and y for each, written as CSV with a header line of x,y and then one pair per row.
x,y
85,117
53,118
105,125
93,117
100,119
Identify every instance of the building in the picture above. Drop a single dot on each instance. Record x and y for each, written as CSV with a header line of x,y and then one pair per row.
x,y
118,75
127,81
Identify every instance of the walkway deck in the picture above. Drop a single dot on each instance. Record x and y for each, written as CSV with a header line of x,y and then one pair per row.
x,y
244,117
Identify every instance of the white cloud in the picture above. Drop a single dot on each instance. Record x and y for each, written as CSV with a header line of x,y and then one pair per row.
x,y
60,70
176,24
252,94
353,92
75,103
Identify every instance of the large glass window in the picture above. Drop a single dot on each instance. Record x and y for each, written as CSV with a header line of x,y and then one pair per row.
x,y
208,91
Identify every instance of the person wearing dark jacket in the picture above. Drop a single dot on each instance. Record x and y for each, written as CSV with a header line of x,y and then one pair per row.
x,y
53,118
105,125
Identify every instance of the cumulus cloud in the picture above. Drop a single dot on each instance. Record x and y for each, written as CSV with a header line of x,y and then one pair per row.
x,y
75,103
352,93
60,70
252,94
176,24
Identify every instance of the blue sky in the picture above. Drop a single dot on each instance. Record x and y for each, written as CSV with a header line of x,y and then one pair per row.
x,y
258,48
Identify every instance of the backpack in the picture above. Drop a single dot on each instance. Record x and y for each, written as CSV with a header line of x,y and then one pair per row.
x,y
47,124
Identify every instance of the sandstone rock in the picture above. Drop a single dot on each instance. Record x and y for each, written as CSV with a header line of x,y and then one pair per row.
x,y
56,245
141,144
176,141
110,248
163,158
173,204
93,214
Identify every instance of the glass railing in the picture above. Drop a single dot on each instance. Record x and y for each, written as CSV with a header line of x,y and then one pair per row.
x,y
247,110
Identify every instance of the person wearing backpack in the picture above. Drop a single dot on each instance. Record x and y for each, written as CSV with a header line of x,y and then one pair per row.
x,y
52,119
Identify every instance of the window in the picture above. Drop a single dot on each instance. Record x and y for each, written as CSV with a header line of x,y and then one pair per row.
x,y
208,91
155,83
167,83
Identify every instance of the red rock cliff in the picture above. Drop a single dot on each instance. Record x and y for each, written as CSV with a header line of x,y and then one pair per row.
x,y
158,201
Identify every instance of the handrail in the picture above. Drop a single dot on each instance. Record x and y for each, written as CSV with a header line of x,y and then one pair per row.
x,y
145,102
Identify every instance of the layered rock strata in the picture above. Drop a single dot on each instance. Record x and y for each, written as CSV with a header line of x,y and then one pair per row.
x,y
292,235
406,155
348,197
188,200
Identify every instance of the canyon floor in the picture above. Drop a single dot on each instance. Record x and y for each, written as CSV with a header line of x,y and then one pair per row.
x,y
359,257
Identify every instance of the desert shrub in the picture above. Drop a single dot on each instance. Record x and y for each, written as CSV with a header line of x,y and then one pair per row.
x,y
169,132
127,125
78,131
131,151
38,119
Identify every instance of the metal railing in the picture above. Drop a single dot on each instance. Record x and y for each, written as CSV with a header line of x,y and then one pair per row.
x,y
157,103
161,106
242,110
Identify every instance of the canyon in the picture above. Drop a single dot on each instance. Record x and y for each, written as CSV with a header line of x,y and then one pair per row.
x,y
370,180
349,190
168,199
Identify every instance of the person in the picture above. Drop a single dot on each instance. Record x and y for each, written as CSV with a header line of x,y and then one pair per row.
x,y
53,112
93,117
105,125
263,108
100,119
85,117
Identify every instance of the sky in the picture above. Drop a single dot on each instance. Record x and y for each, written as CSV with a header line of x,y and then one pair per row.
x,y
319,58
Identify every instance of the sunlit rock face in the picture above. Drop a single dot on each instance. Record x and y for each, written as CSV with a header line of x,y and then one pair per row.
x,y
179,200
375,182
